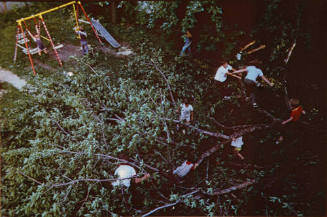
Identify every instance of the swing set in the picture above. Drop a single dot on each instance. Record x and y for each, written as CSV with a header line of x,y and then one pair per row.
x,y
21,36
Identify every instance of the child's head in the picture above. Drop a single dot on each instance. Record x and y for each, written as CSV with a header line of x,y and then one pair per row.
x,y
255,62
81,28
188,34
186,101
294,102
123,156
224,63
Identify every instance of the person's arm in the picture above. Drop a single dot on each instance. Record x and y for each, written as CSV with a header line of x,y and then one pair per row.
x,y
81,33
191,115
195,166
267,81
231,74
240,71
239,155
37,31
32,36
145,177
288,120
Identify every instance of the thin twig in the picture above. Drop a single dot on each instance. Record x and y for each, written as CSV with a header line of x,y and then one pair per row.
x,y
161,207
111,158
168,85
90,180
171,204
162,157
62,129
34,180
290,52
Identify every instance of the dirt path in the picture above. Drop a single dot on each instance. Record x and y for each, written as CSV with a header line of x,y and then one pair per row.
x,y
8,76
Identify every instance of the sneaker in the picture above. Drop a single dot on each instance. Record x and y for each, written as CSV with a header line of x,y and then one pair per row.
x,y
255,105
227,98
279,140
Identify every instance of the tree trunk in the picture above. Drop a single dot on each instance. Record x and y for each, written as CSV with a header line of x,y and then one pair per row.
x,y
113,12
4,6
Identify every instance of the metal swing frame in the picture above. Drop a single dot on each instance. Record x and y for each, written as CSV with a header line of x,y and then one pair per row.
x,y
21,33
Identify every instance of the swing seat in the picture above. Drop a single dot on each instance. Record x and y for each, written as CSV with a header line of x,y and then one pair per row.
x,y
32,51
58,46
36,50
20,35
22,41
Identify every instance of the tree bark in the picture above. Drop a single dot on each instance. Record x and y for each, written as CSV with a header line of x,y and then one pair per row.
x,y
113,12
4,6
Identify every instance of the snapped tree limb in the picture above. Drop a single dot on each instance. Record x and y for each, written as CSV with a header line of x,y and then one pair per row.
x,y
218,135
233,188
168,85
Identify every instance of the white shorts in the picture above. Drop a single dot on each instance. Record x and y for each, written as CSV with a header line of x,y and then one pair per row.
x,y
183,118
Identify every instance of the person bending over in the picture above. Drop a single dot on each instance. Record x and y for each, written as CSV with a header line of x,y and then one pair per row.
x,y
250,80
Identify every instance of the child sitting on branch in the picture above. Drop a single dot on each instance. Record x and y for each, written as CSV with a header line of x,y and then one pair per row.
x,y
237,143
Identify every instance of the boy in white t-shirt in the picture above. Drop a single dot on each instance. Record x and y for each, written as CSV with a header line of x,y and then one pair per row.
x,y
126,174
221,76
222,72
186,112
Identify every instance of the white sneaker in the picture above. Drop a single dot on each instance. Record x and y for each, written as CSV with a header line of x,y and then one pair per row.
x,y
227,98
255,105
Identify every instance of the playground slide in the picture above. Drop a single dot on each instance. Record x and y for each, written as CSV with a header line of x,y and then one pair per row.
x,y
105,34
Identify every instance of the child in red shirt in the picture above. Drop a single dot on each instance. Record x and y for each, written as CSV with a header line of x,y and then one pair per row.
x,y
296,111
295,115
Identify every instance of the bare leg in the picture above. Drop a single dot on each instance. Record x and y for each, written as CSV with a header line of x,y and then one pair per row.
x,y
280,139
239,154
